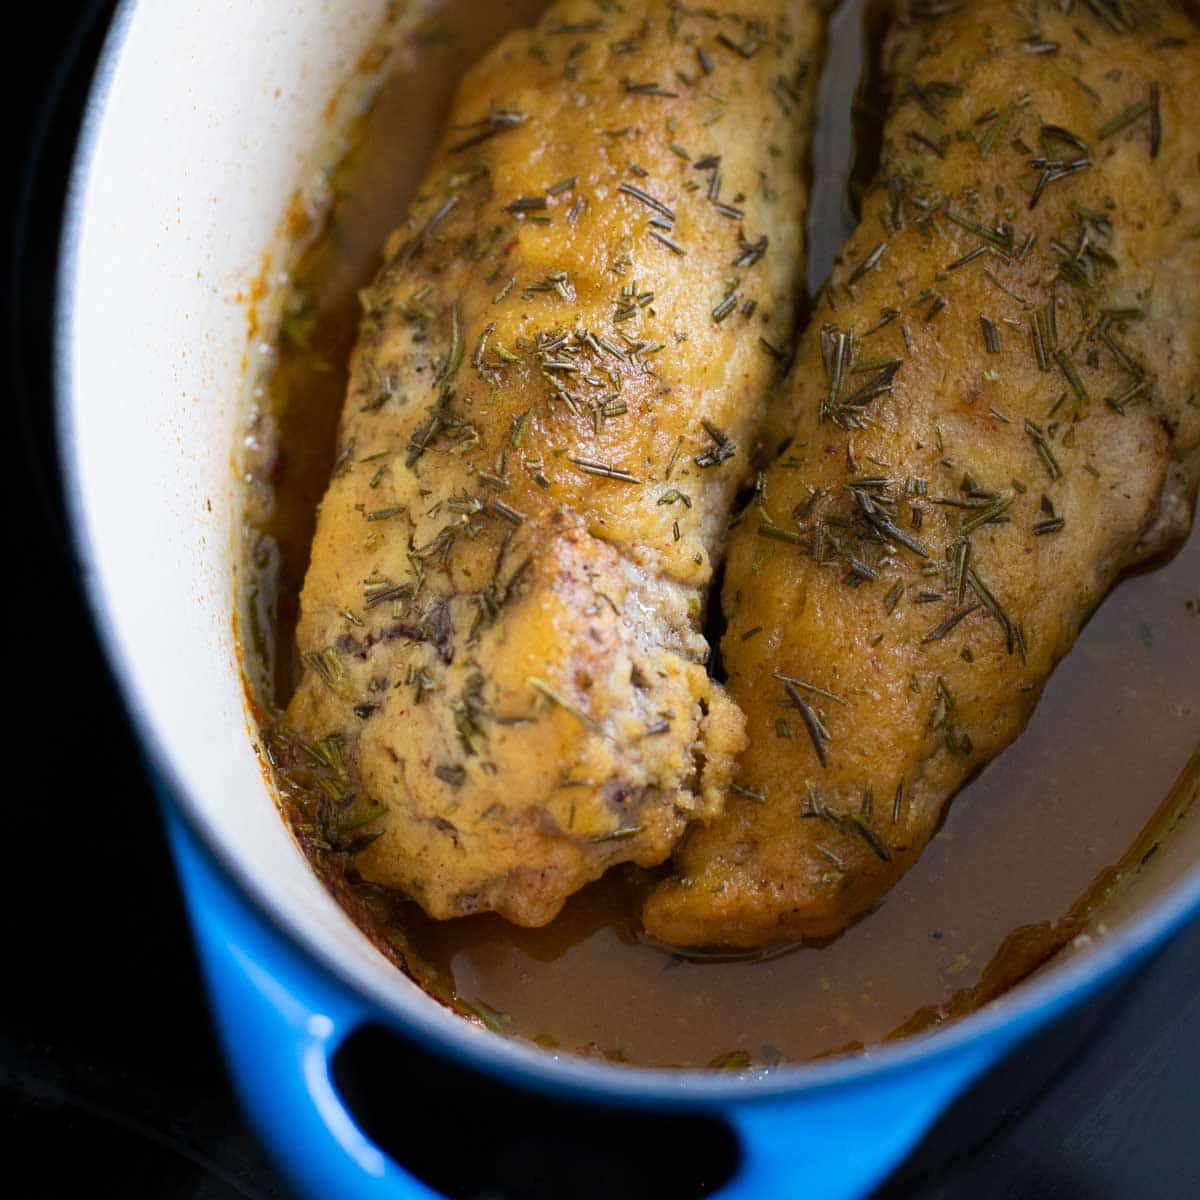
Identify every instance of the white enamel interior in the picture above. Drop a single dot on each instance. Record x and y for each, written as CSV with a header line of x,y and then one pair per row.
x,y
208,127
205,119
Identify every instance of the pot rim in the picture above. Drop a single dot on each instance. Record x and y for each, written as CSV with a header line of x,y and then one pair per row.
x,y
1031,1001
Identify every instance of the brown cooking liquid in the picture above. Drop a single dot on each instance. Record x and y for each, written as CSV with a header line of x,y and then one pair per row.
x,y
1020,845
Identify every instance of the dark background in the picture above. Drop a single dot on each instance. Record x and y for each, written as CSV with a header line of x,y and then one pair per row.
x,y
110,1078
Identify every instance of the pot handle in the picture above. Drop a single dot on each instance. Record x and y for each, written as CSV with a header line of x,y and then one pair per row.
x,y
280,1022
840,1144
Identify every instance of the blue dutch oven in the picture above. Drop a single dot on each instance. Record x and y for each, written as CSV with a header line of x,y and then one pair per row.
x,y
195,137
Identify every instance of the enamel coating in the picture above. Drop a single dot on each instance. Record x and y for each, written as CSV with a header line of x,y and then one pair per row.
x,y
282,1016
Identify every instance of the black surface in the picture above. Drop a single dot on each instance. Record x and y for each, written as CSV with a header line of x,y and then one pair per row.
x,y
110,1079
521,1147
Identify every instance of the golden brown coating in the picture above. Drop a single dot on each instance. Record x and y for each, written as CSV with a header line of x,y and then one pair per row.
x,y
990,417
562,370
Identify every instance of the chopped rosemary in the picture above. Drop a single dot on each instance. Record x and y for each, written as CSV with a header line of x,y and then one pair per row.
x,y
744,789
647,89
673,246
1115,124
617,835
1000,238
497,120
455,357
524,204
1135,389
999,125
646,199
519,427
1053,170
327,664
721,450
724,308
812,687
867,264
674,494
747,50
871,838
1058,133
508,512
989,514
768,529
967,258
926,143
750,252
451,774
1043,448
961,556
603,470
540,685
991,604
939,631
377,589
1072,375
859,570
